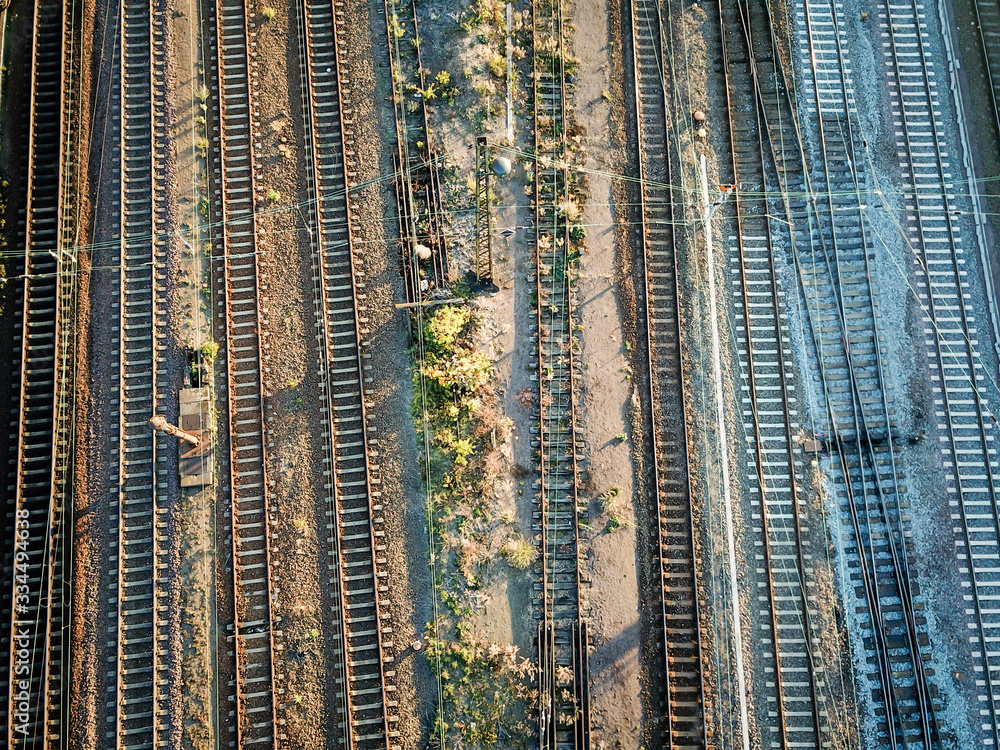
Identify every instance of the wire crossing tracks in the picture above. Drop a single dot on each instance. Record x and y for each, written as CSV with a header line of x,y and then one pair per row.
x,y
418,184
140,639
239,300
564,716
964,418
356,536
682,651
35,602
797,712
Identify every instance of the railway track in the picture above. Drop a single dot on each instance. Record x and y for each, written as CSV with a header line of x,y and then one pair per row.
x,y
418,182
863,424
684,722
36,602
798,710
563,681
140,645
817,191
988,26
963,413
254,717
364,693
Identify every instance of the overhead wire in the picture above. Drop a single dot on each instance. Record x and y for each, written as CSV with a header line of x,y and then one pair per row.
x,y
811,195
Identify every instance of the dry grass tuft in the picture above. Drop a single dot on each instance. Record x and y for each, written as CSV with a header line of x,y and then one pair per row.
x,y
520,552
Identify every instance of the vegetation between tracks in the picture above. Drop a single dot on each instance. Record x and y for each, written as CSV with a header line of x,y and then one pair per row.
x,y
485,689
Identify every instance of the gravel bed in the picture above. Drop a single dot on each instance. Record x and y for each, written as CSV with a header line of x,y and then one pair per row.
x,y
97,400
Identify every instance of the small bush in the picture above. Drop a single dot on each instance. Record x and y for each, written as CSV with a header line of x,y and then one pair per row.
x,y
4,184
571,209
498,65
611,500
209,351
269,13
397,28
273,196
520,553
464,370
616,522
613,504
464,448
444,328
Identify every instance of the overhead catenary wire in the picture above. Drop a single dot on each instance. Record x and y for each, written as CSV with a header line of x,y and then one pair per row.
x,y
808,194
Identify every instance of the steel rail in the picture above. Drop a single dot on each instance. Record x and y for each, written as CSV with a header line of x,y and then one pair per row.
x,y
58,641
747,214
36,671
937,318
874,598
679,611
361,579
236,252
418,192
563,641
860,424
988,26
139,688
900,557
868,575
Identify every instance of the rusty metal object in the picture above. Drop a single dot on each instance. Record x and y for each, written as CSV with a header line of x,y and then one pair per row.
x,y
160,423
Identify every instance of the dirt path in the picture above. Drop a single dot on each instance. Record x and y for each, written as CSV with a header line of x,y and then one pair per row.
x,y
97,402
197,706
607,390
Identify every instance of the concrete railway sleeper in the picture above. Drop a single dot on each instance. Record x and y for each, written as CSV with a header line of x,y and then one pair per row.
x,y
36,603
253,721
358,580
684,724
831,260
802,715
954,359
141,643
